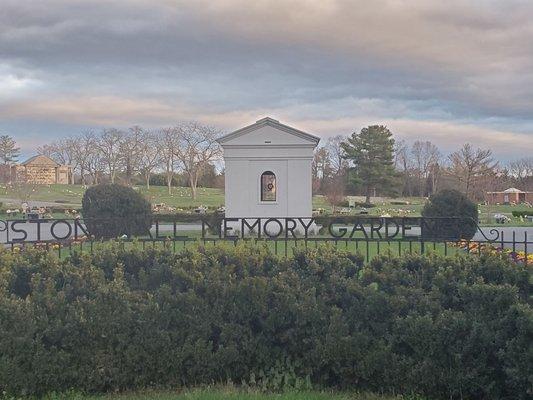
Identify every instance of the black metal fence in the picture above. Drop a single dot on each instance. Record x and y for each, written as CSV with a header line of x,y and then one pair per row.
x,y
366,236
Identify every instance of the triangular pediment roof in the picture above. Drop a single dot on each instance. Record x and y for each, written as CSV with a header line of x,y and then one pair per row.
x,y
40,160
267,121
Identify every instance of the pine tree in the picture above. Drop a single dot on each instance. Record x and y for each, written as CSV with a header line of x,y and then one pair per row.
x,y
372,153
9,152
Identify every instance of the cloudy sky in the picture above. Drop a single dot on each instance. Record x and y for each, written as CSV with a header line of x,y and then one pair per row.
x,y
446,71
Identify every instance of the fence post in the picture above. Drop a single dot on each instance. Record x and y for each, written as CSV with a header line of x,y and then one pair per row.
x,y
525,248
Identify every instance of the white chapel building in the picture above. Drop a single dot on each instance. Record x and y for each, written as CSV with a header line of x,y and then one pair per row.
x,y
268,171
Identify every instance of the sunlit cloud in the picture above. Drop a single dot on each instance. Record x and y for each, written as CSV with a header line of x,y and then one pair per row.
x,y
442,71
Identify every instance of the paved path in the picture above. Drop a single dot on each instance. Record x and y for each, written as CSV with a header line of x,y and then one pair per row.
x,y
15,203
62,229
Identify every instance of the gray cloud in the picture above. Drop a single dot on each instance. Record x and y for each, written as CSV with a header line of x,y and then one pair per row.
x,y
462,64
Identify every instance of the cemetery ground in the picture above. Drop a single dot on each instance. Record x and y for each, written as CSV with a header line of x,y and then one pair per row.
x,y
69,196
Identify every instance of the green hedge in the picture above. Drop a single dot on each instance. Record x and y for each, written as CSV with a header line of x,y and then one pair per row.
x,y
446,328
522,213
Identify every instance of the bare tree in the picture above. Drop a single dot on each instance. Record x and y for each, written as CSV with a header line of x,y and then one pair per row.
x,y
402,163
521,169
425,155
197,146
168,145
63,152
337,162
150,156
334,189
46,150
95,165
131,146
83,149
471,167
435,170
320,168
109,146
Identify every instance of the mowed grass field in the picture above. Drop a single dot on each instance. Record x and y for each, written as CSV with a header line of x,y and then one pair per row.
x,y
225,394
180,198
73,194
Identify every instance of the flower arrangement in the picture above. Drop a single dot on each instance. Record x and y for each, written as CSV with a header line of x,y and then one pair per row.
x,y
476,247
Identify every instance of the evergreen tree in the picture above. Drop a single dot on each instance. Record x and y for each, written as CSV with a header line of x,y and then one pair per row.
x,y
372,153
9,152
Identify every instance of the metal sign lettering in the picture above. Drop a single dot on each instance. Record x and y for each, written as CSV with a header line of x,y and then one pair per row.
x,y
336,228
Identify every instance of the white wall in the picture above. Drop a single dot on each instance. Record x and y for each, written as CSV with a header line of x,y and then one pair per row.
x,y
287,156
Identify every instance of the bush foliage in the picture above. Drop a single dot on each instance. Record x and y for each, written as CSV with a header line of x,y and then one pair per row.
x,y
111,210
450,203
523,213
446,328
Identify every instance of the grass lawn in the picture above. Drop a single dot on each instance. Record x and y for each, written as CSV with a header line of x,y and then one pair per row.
x,y
224,394
180,198
72,194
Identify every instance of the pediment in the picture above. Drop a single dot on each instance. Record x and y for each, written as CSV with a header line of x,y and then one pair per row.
x,y
268,131
40,160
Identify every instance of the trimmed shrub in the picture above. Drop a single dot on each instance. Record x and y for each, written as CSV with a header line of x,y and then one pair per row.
x,y
525,213
111,210
459,216
444,328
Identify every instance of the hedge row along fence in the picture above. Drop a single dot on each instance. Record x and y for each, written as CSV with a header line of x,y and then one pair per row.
x,y
524,214
445,328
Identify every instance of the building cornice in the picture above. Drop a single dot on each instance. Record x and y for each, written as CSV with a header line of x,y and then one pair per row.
x,y
269,122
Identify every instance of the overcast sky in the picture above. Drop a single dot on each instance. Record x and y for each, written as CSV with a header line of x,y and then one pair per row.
x,y
446,71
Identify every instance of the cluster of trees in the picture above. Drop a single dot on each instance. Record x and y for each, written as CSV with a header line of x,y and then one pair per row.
x,y
372,162
186,152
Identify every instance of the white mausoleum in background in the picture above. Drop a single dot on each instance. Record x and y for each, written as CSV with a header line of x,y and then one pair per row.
x,y
268,171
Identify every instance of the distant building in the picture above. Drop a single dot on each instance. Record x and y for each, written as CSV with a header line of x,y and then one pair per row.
x,y
511,195
41,170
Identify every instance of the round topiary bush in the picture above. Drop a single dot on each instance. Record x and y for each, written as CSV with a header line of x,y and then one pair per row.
x,y
452,216
112,210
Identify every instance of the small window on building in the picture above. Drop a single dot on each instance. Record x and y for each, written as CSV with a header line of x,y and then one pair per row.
x,y
268,186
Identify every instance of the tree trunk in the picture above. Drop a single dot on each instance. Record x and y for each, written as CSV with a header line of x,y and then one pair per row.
x,y
368,191
147,181
193,182
129,173
434,183
169,182
467,184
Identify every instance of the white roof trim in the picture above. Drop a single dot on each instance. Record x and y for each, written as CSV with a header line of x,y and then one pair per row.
x,y
267,121
512,190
